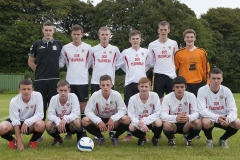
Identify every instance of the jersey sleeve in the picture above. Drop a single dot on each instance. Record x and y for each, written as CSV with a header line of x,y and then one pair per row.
x,y
75,112
38,114
131,111
150,59
33,50
202,106
62,58
194,109
90,60
176,61
165,111
117,54
175,47
231,106
120,61
121,108
205,67
51,111
14,114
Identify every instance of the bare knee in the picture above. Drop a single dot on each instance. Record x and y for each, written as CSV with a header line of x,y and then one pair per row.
x,y
198,124
39,126
158,123
207,123
86,121
125,119
76,123
167,126
132,128
5,127
50,126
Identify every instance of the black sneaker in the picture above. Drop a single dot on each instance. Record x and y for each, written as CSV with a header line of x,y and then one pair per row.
x,y
198,137
68,136
171,142
111,133
154,142
188,142
57,142
141,141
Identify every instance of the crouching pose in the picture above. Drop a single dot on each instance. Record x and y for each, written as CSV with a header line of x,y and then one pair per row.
x,y
144,112
106,111
180,113
63,114
218,109
26,114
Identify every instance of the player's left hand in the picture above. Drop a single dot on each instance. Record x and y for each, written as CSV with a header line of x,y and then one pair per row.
x,y
224,122
61,126
110,124
145,128
24,129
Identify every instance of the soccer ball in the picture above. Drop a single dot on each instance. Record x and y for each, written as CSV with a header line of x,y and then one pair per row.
x,y
85,144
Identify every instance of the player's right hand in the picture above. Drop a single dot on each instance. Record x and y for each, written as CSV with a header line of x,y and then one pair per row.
x,y
20,145
102,126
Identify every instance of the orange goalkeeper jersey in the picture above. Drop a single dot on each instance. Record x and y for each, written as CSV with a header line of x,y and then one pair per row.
x,y
192,65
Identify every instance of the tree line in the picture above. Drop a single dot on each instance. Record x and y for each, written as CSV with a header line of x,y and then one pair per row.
x,y
218,31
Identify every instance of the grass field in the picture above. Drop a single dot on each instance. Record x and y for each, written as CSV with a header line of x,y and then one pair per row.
x,y
127,150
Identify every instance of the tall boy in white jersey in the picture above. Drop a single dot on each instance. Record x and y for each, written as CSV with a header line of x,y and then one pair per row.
x,y
161,58
144,112
26,114
103,58
218,109
76,57
63,113
133,63
106,111
179,113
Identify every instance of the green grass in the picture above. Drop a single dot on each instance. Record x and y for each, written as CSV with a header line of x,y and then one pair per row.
x,y
126,150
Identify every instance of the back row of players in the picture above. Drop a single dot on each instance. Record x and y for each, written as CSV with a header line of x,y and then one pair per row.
x,y
105,111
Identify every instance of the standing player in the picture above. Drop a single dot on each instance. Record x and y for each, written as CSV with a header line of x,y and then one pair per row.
x,y
144,112
26,114
180,113
218,109
46,52
63,114
106,111
161,58
133,63
76,55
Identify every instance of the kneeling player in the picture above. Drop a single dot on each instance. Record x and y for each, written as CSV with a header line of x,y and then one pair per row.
x,y
26,114
180,113
144,112
63,114
106,111
218,109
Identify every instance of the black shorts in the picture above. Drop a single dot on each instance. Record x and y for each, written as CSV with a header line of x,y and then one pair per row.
x,y
95,87
81,92
162,83
180,128
29,132
129,91
193,88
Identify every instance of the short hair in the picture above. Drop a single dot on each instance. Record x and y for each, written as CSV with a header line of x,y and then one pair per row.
x,y
179,80
25,82
77,27
144,80
215,71
189,31
105,78
134,32
62,83
48,23
104,28
164,23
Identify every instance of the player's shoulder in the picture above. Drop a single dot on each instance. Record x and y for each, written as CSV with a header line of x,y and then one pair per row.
x,y
37,43
153,94
225,89
202,50
15,99
189,94
180,50
115,93
86,45
153,42
68,45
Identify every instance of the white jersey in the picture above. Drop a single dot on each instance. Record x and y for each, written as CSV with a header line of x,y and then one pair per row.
x,y
103,62
147,112
29,112
133,63
69,111
213,105
161,57
76,59
98,107
171,107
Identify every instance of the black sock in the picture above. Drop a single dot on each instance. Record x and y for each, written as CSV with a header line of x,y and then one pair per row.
x,y
208,132
228,133
169,134
92,129
8,136
120,130
157,131
139,134
54,133
78,131
82,115
192,133
35,136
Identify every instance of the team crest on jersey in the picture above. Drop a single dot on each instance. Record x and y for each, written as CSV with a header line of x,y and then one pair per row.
x,y
104,52
68,104
31,107
169,47
136,55
54,47
142,54
151,104
31,47
83,50
222,96
191,58
185,103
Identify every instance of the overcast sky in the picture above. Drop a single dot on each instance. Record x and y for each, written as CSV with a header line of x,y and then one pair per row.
x,y
202,6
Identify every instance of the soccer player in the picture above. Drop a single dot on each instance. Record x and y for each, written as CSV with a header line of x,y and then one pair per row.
x,y
106,111
144,112
63,114
46,52
161,58
180,113
26,114
76,55
218,109
133,63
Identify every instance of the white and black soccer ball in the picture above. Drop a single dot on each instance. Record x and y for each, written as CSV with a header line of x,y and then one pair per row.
x,y
85,144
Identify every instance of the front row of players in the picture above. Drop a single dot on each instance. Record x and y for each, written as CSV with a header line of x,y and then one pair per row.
x,y
106,111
